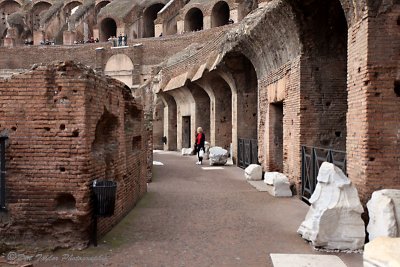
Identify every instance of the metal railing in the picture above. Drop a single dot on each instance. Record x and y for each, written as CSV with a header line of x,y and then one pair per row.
x,y
311,160
3,172
247,152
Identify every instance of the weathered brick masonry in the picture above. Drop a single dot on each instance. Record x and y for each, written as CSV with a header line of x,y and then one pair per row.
x,y
67,127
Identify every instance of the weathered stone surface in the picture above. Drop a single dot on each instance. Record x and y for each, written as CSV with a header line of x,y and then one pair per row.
x,y
187,151
280,184
253,172
334,218
218,156
382,208
382,252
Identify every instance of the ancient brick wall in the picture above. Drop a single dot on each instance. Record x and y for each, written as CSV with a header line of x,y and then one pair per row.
x,y
373,141
67,127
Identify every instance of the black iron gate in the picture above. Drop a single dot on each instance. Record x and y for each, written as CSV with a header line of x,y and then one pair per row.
x,y
311,160
247,152
3,172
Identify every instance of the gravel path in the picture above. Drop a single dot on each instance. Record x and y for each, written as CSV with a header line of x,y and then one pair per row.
x,y
195,217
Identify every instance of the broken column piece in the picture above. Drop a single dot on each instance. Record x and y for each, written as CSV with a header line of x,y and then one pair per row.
x,y
334,218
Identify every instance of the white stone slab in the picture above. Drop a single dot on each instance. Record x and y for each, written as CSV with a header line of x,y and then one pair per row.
x,y
158,163
306,260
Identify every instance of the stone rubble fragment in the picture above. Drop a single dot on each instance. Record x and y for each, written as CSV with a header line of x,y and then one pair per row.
x,y
253,172
384,214
382,252
280,183
218,156
334,218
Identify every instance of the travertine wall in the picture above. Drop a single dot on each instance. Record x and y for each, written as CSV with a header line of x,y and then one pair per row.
x,y
67,127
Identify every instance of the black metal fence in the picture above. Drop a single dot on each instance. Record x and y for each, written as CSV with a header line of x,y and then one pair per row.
x,y
311,160
3,172
247,152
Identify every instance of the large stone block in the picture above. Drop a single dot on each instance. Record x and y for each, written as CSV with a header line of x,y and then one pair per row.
x,y
384,214
253,172
280,183
382,252
334,218
218,156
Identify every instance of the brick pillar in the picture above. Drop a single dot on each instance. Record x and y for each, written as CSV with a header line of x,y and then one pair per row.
x,y
69,37
373,140
38,37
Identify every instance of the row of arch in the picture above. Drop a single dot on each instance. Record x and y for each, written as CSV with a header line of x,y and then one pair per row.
x,y
193,21
290,110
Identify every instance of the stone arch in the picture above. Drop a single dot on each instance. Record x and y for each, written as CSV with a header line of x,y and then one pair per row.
x,y
37,11
220,14
186,119
194,20
10,6
220,93
108,28
149,15
120,67
158,124
69,6
169,121
244,100
202,112
100,5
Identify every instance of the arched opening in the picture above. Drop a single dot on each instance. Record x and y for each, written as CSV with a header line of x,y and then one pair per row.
x,y
323,85
158,125
221,110
37,12
246,104
120,67
71,7
108,28
7,8
194,20
202,112
149,15
325,44
170,120
100,5
220,14
105,145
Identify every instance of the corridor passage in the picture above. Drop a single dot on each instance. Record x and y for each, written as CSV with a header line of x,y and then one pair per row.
x,y
204,217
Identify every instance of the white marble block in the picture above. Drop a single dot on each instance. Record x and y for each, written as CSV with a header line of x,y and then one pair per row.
x,y
218,156
253,172
384,214
334,218
382,252
187,151
280,183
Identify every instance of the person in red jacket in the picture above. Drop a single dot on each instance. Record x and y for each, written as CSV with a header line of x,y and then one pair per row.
x,y
199,145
